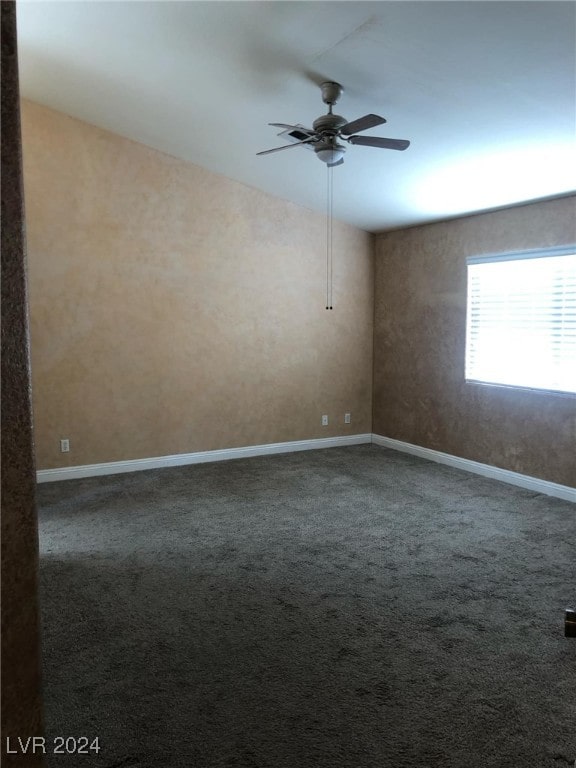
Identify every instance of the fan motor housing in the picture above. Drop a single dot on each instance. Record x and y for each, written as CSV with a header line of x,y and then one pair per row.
x,y
329,123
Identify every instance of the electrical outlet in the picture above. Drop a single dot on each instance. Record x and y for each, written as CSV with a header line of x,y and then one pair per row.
x,y
324,421
64,446
347,417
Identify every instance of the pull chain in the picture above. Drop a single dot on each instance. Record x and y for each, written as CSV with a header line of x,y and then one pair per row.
x,y
329,212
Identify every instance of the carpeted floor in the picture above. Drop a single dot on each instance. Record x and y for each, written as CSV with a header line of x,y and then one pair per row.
x,y
351,607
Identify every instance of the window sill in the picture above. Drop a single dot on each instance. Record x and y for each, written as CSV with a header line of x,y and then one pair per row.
x,y
515,387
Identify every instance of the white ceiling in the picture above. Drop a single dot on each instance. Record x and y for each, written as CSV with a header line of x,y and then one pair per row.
x,y
485,91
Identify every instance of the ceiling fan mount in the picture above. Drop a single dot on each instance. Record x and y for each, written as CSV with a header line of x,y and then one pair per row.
x,y
328,129
331,92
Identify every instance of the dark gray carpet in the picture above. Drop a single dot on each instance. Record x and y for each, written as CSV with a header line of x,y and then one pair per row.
x,y
352,607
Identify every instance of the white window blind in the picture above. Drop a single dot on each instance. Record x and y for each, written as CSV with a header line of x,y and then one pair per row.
x,y
521,319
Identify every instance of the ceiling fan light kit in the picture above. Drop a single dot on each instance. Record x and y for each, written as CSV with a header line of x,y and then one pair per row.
x,y
330,152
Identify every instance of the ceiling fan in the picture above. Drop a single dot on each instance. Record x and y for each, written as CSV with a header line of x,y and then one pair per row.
x,y
328,130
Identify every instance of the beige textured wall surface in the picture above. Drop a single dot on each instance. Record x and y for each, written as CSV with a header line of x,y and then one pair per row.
x,y
174,310
420,395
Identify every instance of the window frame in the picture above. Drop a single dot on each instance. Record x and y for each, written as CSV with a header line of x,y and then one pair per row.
x,y
520,255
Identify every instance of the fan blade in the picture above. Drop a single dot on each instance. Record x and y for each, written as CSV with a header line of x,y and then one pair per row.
x,y
376,141
333,165
362,124
293,127
286,146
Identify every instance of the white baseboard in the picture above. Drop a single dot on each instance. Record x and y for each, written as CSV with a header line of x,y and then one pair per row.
x,y
157,462
117,467
506,476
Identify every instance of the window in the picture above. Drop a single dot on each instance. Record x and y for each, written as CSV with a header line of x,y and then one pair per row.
x,y
521,319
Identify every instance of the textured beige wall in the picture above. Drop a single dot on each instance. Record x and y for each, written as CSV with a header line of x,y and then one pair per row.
x,y
420,395
174,310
